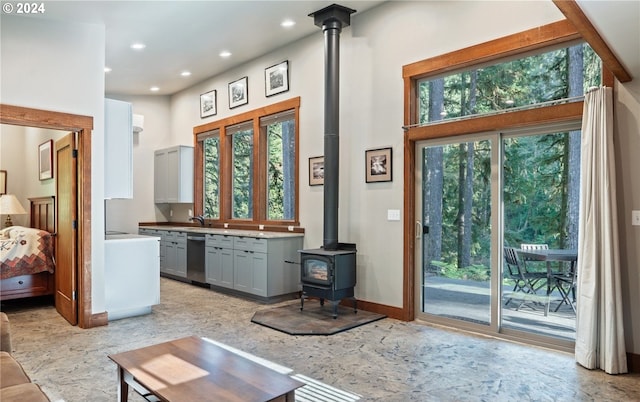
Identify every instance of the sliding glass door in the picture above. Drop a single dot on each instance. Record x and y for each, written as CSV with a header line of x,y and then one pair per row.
x,y
479,195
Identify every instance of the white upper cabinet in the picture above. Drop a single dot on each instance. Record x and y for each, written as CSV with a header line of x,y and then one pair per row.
x,y
173,175
118,149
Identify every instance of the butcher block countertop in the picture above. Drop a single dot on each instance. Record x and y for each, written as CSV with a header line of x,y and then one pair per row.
x,y
228,232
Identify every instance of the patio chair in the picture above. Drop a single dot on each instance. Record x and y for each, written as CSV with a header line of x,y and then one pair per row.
x,y
525,282
566,284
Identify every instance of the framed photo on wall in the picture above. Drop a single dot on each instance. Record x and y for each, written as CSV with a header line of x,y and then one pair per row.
x,y
378,165
208,104
238,92
316,171
45,160
276,79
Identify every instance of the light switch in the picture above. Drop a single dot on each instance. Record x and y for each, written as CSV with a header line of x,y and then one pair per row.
x,y
635,218
393,214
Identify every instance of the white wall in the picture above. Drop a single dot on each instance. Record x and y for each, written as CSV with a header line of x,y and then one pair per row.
x,y
60,67
19,157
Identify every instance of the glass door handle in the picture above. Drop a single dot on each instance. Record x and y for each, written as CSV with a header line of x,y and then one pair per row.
x,y
418,230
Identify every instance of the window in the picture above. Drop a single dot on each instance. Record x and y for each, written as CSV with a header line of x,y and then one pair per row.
x,y
211,170
246,167
529,105
242,170
281,168
535,79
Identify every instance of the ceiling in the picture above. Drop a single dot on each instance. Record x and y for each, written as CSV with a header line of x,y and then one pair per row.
x,y
189,35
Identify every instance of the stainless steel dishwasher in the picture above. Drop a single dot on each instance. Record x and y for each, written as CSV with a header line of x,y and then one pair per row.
x,y
195,258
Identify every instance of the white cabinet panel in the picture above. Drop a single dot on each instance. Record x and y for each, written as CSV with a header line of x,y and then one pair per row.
x,y
118,149
132,275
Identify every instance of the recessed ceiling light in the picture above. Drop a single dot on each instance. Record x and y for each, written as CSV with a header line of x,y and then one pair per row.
x,y
185,73
154,89
138,46
225,53
107,69
287,23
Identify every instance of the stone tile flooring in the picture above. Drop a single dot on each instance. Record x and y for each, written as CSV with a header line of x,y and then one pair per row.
x,y
387,360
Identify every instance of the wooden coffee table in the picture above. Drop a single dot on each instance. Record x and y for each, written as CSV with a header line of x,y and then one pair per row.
x,y
192,369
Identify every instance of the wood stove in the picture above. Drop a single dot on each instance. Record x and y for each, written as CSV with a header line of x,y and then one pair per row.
x,y
329,275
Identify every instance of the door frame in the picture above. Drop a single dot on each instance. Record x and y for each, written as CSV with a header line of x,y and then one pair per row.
x,y
83,125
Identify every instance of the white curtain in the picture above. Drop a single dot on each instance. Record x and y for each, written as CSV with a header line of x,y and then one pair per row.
x,y
599,325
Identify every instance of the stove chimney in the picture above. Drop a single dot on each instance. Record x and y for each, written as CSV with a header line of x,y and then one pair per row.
x,y
331,19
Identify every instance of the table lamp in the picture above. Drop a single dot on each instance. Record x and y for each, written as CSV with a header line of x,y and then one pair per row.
x,y
9,205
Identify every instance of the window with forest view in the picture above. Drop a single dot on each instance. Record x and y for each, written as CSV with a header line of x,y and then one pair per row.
x,y
550,76
211,161
242,175
247,166
281,158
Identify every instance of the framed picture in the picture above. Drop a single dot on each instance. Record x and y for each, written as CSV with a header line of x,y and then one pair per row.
x,y
316,171
45,160
208,102
378,165
276,79
3,182
238,93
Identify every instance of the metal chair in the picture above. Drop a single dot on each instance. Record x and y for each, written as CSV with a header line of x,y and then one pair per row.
x,y
566,284
525,282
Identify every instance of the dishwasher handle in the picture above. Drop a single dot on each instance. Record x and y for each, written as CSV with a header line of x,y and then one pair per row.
x,y
195,238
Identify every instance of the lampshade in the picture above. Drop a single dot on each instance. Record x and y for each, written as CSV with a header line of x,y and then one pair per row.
x,y
9,205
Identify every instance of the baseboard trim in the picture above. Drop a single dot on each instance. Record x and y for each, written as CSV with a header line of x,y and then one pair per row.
x,y
633,363
389,311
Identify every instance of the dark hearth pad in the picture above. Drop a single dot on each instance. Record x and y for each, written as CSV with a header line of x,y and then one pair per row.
x,y
314,319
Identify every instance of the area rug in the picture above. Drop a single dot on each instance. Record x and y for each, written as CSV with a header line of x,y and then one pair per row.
x,y
314,319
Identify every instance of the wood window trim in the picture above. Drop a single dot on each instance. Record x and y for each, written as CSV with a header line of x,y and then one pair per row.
x,y
579,20
523,42
27,117
260,177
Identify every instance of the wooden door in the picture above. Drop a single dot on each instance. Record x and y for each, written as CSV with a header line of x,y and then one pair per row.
x,y
66,239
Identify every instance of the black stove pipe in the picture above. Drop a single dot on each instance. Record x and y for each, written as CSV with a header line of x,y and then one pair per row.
x,y
331,19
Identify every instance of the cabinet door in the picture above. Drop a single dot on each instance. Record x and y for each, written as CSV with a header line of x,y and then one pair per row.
x,y
181,257
173,175
226,262
212,265
259,274
170,257
118,149
160,172
242,276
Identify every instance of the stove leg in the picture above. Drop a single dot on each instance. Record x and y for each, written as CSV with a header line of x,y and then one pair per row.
x,y
355,306
335,308
302,302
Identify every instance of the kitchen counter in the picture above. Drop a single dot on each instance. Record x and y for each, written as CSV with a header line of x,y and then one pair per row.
x,y
229,232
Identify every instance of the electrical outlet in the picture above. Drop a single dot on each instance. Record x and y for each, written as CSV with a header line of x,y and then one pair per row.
x,y
226,225
260,227
290,228
393,214
635,218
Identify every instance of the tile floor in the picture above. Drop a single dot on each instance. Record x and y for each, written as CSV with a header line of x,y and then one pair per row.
x,y
387,360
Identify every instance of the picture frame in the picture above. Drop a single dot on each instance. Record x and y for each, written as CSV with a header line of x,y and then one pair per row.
x,y
239,92
45,160
276,79
3,182
316,171
208,104
378,165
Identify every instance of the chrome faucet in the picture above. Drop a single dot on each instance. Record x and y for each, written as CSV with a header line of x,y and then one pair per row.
x,y
198,218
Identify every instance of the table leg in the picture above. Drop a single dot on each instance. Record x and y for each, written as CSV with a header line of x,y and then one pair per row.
x,y
123,386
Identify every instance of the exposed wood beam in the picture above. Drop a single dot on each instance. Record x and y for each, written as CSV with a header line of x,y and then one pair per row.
x,y
574,14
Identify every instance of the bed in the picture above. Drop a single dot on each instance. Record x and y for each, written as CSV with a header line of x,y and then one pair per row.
x,y
27,262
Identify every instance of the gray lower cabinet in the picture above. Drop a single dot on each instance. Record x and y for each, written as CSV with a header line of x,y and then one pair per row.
x,y
253,265
173,253
219,260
